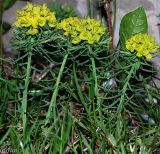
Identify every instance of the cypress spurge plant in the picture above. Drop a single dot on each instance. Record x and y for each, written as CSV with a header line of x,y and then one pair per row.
x,y
80,33
69,44
30,21
137,48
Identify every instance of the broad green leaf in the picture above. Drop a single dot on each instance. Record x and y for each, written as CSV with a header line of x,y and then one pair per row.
x,y
133,23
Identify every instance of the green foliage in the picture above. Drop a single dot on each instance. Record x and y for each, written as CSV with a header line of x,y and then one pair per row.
x,y
62,12
8,3
133,23
8,89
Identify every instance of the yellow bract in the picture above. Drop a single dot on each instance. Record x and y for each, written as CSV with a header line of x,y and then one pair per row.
x,y
35,16
89,30
32,31
142,44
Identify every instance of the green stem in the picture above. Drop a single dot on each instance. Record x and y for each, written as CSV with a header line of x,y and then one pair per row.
x,y
94,75
25,92
80,94
54,95
96,89
121,104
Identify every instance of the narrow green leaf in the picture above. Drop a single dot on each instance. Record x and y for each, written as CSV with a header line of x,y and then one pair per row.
x,y
112,140
5,137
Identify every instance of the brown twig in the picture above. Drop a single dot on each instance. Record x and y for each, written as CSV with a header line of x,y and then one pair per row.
x,y
107,7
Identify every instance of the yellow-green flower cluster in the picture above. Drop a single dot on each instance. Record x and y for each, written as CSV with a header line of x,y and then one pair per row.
x,y
89,30
142,44
35,16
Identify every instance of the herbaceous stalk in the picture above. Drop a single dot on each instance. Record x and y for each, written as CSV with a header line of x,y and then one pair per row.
x,y
31,24
25,93
52,107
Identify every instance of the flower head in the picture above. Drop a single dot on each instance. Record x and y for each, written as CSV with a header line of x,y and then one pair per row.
x,y
89,30
35,16
142,44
